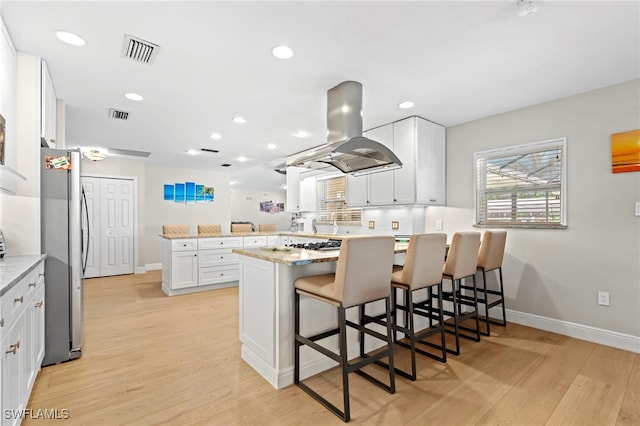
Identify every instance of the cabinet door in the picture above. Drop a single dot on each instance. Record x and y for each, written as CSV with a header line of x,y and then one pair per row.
x,y
47,107
381,183
308,194
13,366
184,269
404,146
431,163
38,328
357,191
293,189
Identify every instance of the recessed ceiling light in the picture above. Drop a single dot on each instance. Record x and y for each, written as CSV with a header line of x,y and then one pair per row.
x,y
406,105
300,133
242,159
70,38
282,52
239,120
232,182
192,152
216,136
272,146
133,96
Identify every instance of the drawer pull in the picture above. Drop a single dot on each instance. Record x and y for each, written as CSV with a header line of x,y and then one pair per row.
x,y
221,257
39,304
14,348
222,274
2,322
18,299
32,284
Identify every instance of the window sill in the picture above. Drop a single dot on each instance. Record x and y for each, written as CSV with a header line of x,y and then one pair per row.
x,y
521,226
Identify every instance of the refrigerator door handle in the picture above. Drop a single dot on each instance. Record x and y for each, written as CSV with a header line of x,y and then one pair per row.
x,y
85,250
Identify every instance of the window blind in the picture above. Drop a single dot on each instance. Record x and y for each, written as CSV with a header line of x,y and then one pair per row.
x,y
332,203
522,185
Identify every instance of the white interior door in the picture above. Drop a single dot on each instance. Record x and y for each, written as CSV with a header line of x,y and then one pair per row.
x,y
91,230
116,220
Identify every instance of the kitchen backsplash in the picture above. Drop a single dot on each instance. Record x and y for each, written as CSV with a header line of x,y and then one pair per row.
x,y
411,220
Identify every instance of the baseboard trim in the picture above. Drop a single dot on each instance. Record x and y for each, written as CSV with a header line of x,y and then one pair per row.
x,y
149,267
614,339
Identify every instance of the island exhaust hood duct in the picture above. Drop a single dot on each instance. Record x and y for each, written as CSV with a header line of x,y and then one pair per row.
x,y
346,148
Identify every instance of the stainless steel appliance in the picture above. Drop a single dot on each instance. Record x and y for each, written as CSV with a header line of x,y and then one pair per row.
x,y
319,246
346,149
62,206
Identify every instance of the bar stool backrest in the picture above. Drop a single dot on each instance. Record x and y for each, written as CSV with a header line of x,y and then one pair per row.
x,y
266,227
462,259
364,269
424,261
492,250
175,229
241,227
210,229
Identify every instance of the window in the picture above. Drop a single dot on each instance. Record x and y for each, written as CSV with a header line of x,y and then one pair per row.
x,y
332,203
522,186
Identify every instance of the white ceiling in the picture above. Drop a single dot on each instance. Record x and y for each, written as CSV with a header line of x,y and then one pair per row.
x,y
458,61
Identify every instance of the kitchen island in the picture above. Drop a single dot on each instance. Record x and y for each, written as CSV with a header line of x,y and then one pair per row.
x,y
267,316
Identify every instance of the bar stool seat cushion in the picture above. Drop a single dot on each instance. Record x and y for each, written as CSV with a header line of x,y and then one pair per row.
x,y
321,286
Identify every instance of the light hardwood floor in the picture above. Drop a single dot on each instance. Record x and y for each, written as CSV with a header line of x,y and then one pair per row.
x,y
152,359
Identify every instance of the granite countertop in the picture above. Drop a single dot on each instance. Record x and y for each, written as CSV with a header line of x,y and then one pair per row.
x,y
256,234
296,256
15,268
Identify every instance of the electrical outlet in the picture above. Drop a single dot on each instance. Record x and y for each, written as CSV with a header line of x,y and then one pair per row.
x,y
372,224
438,225
603,298
395,225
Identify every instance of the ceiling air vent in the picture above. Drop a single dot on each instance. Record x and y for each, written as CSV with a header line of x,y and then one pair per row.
x,y
118,114
129,152
139,50
209,150
226,165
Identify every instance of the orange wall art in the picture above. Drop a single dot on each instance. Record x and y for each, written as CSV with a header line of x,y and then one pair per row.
x,y
625,152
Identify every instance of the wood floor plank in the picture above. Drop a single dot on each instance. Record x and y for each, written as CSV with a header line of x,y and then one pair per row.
x,y
150,359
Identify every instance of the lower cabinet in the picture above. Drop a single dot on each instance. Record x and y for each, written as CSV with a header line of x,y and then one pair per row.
x,y
21,343
197,264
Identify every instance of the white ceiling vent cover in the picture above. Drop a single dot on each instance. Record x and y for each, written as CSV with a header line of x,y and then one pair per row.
x,y
118,114
139,50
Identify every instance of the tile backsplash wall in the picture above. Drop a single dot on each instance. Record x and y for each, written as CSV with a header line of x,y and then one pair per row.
x,y
411,220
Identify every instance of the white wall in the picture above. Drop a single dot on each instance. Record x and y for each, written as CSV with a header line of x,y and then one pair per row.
x,y
557,273
153,211
245,206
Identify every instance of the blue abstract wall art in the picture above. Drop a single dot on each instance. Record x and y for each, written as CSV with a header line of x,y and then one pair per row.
x,y
188,193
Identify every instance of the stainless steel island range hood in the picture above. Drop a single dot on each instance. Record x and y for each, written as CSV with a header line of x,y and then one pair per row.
x,y
346,148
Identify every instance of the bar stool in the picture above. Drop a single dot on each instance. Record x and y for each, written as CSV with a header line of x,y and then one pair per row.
x,y
363,273
210,229
241,227
266,227
175,229
422,270
462,260
489,259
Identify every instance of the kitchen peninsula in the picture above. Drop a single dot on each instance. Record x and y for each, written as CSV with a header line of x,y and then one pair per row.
x,y
266,310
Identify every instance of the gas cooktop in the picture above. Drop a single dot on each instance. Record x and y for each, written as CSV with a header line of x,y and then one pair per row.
x,y
320,246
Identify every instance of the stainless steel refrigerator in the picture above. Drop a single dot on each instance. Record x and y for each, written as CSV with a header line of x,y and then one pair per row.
x,y
62,207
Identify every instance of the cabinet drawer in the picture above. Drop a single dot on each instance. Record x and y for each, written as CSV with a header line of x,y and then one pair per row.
x,y
13,303
255,241
216,243
184,244
218,274
216,258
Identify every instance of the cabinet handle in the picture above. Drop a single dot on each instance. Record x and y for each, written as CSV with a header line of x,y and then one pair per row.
x,y
222,274
221,257
394,200
18,299
432,200
2,322
14,348
195,255
39,304
32,284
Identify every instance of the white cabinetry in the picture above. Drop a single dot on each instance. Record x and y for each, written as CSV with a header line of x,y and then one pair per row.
x,y
308,194
293,189
197,264
421,146
216,263
47,107
21,342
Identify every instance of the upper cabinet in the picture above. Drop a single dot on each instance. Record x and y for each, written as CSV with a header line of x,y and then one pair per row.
x,y
48,108
293,189
421,146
